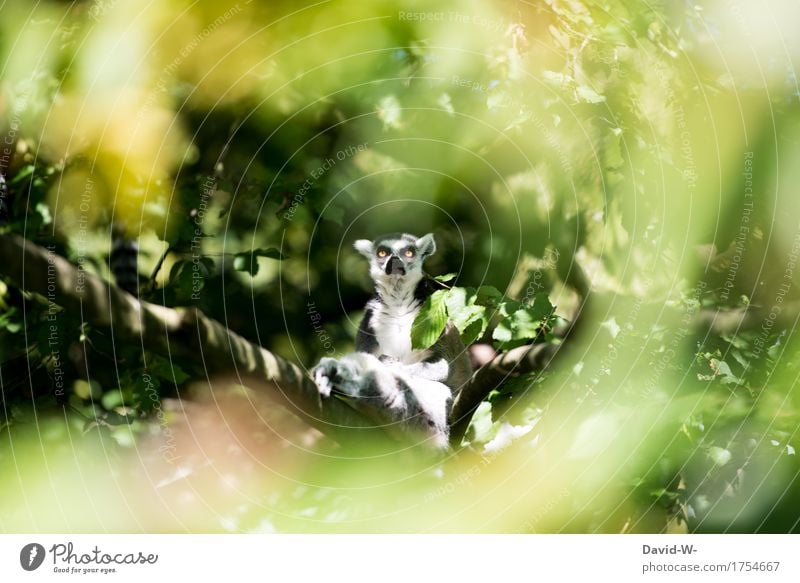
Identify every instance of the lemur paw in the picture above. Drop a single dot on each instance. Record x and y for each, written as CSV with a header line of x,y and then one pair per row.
x,y
325,375
337,376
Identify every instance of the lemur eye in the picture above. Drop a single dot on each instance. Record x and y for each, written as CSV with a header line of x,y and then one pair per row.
x,y
409,253
381,252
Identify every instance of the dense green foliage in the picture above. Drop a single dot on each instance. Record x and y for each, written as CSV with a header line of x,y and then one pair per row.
x,y
627,166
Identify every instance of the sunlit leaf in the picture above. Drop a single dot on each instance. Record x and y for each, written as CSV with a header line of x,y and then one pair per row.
x,y
430,321
248,260
470,319
719,455
588,94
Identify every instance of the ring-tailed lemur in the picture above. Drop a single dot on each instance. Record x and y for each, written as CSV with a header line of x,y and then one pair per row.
x,y
416,386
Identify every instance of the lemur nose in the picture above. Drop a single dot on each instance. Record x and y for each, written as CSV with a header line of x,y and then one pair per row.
x,y
395,266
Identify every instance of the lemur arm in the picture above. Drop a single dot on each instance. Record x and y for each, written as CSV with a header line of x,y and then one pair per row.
x,y
441,358
434,368
365,337
446,361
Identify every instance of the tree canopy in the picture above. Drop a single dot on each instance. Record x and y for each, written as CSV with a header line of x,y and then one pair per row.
x,y
610,187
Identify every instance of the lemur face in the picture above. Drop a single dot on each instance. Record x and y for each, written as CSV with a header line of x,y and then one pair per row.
x,y
396,256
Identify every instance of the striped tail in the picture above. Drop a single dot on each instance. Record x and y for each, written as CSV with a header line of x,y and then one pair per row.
x,y
124,263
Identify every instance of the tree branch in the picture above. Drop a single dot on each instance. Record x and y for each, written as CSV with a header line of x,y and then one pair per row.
x,y
520,360
207,345
524,359
211,348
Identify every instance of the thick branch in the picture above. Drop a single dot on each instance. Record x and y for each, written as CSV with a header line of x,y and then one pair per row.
x,y
210,348
207,345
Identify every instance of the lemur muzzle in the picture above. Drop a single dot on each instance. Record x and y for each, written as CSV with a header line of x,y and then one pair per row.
x,y
395,267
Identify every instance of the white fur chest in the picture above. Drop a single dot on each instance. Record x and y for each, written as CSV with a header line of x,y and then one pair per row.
x,y
392,326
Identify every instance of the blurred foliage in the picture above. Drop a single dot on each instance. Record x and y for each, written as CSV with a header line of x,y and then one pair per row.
x,y
636,155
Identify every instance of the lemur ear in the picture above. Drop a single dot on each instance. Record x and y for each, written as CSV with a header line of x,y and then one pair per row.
x,y
426,246
364,246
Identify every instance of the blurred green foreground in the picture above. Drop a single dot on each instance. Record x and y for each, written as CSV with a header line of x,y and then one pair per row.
x,y
635,164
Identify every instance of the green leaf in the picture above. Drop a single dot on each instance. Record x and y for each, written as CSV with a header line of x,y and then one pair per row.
x,y
555,78
87,390
525,324
481,428
722,369
162,368
499,99
589,95
23,174
430,321
146,392
248,260
245,262
470,318
114,418
522,323
445,278
44,212
541,306
112,399
9,320
390,112
503,332
474,331
719,455
488,291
